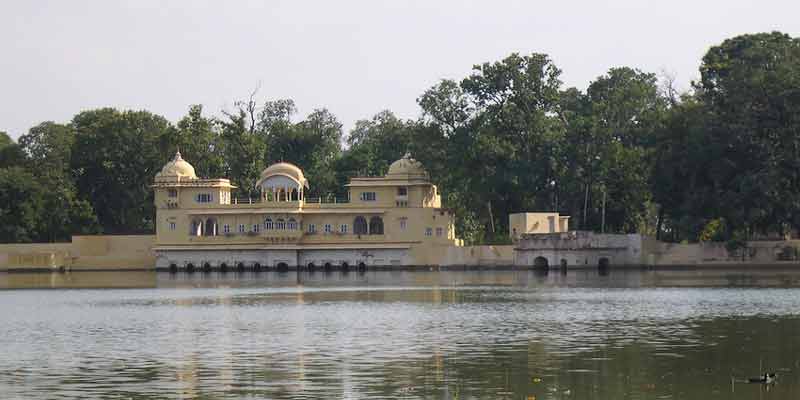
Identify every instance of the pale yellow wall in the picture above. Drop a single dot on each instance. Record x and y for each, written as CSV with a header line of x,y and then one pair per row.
x,y
84,252
521,223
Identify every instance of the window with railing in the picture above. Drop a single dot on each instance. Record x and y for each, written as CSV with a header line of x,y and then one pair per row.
x,y
204,198
241,228
402,191
172,226
291,224
428,231
312,228
328,228
368,196
280,224
268,225
172,192
256,228
343,228
226,228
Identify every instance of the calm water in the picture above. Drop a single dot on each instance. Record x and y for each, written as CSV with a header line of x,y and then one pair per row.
x,y
407,335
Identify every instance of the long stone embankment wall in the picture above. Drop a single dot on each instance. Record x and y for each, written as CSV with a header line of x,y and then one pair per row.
x,y
97,252
714,254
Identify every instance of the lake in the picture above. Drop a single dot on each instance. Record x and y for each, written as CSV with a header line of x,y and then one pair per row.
x,y
408,335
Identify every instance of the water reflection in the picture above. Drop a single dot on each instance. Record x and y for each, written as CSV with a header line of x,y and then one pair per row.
x,y
481,334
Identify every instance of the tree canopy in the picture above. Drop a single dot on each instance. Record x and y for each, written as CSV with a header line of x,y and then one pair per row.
x,y
629,153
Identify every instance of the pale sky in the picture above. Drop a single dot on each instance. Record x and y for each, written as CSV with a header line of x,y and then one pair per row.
x,y
354,57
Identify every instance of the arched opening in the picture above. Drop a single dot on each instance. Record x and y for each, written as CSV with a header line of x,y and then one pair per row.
x,y
282,267
540,263
345,266
328,266
257,267
360,226
189,267
294,195
211,227
280,224
564,264
603,264
206,267
291,224
173,268
311,267
197,228
268,225
376,226
223,267
240,266
362,266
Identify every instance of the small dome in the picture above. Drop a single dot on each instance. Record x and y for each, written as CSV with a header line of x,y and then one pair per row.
x,y
407,166
177,168
285,169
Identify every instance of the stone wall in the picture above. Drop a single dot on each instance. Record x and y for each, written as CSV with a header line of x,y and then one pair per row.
x,y
98,252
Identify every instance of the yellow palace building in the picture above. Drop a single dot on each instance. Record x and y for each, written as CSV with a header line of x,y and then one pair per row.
x,y
395,220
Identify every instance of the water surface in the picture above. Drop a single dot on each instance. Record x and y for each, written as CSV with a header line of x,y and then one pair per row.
x,y
408,335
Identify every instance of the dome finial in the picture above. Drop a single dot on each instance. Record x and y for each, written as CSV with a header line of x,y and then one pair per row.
x,y
178,153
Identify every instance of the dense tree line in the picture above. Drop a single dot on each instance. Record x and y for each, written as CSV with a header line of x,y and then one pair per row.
x,y
629,154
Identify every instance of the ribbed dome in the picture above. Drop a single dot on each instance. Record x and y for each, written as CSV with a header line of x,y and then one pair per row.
x,y
407,166
285,169
177,168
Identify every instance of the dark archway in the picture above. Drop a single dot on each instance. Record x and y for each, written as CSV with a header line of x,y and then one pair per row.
x,y
328,266
311,267
189,267
173,268
603,264
257,267
541,262
362,266
360,226
211,227
223,267
282,267
240,266
345,266
206,267
376,226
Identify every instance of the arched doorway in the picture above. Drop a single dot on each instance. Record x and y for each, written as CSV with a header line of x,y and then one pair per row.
x,y
240,266
257,267
362,266
345,266
223,267
563,266
328,266
540,263
376,226
603,264
206,267
311,267
282,267
360,226
173,268
189,267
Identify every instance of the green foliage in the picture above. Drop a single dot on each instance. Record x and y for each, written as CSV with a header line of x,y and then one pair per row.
x,y
720,163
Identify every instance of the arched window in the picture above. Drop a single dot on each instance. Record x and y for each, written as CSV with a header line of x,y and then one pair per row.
x,y
376,226
360,226
197,228
280,224
211,227
292,224
268,224
294,195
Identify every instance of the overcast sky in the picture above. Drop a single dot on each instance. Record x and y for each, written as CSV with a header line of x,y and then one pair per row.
x,y
354,57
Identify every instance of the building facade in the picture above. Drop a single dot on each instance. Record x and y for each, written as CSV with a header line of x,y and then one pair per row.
x,y
395,220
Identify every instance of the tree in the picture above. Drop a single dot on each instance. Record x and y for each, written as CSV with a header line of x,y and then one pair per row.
x,y
114,159
750,86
